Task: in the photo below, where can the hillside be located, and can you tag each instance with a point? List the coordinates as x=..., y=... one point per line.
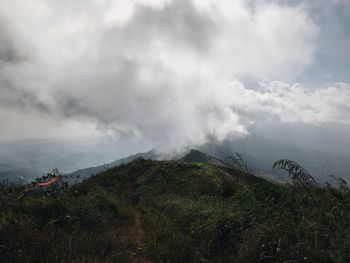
x=175, y=211
x=88, y=172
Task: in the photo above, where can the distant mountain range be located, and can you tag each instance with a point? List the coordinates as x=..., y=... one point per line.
x=322, y=151
x=82, y=174
x=28, y=159
x=321, y=165
x=260, y=153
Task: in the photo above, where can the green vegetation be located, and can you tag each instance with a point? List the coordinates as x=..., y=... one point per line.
x=190, y=212
x=53, y=226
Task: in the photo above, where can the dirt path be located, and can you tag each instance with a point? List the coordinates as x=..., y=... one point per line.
x=137, y=238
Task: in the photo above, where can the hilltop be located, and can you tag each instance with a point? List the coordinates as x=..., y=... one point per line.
x=195, y=156
x=192, y=156
x=176, y=211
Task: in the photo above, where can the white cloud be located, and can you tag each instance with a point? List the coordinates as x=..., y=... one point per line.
x=295, y=103
x=165, y=71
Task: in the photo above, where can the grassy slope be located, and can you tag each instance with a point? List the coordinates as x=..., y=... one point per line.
x=190, y=212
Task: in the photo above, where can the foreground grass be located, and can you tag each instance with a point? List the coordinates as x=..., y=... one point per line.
x=190, y=212
x=72, y=227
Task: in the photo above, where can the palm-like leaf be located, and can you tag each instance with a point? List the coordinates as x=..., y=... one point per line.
x=296, y=172
x=239, y=163
x=343, y=185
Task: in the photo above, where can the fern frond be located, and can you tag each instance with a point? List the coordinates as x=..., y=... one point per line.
x=239, y=163
x=299, y=175
x=342, y=183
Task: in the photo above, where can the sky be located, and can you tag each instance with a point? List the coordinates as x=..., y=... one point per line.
x=171, y=74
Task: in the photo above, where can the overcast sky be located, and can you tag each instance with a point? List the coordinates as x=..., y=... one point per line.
x=170, y=74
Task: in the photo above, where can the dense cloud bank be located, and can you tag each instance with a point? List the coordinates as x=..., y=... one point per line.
x=170, y=73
